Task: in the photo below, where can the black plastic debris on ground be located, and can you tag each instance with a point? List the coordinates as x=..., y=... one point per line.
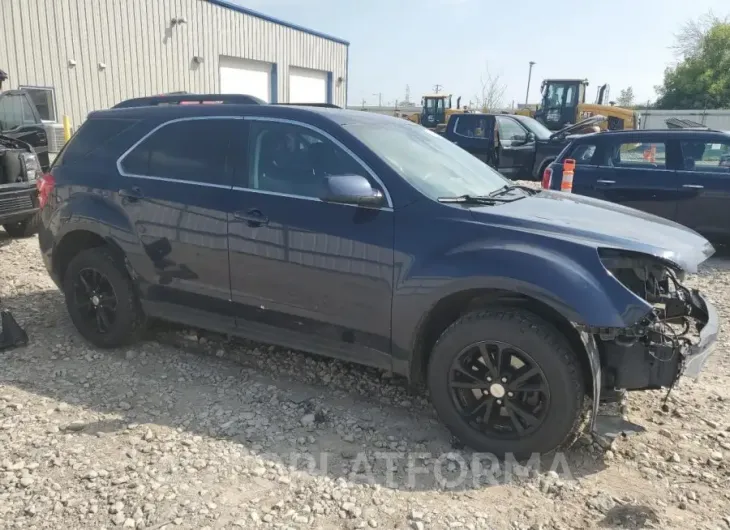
x=11, y=334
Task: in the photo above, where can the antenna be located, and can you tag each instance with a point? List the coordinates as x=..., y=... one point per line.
x=437, y=88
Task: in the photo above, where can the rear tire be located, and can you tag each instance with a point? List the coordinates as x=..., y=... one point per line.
x=101, y=299
x=25, y=228
x=548, y=405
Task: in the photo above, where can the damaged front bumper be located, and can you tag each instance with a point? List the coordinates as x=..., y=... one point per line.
x=697, y=355
x=655, y=354
x=675, y=337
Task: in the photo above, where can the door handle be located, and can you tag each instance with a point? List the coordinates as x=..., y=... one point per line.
x=693, y=186
x=132, y=194
x=605, y=182
x=252, y=217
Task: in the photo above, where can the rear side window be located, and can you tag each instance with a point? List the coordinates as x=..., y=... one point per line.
x=707, y=157
x=93, y=135
x=190, y=151
x=471, y=126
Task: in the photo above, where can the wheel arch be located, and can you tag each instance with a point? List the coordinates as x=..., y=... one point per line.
x=449, y=308
x=78, y=240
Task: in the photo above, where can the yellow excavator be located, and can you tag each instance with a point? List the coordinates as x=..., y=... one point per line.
x=435, y=111
x=563, y=102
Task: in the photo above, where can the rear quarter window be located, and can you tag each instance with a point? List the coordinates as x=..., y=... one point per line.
x=91, y=138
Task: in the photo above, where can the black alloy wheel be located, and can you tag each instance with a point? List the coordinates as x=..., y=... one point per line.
x=95, y=299
x=499, y=389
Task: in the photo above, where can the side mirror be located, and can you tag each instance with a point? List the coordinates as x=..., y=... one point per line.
x=530, y=137
x=520, y=139
x=351, y=189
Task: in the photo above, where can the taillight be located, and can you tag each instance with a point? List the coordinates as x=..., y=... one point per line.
x=547, y=178
x=45, y=186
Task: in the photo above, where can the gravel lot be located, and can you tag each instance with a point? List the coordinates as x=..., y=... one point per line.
x=195, y=431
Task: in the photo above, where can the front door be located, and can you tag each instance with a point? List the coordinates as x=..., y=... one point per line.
x=516, y=148
x=307, y=274
x=639, y=174
x=705, y=187
x=175, y=190
x=475, y=133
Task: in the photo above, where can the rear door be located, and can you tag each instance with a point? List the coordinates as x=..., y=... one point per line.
x=474, y=133
x=639, y=172
x=175, y=188
x=705, y=187
x=516, y=148
x=20, y=119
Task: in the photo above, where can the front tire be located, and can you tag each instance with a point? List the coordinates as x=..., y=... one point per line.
x=25, y=228
x=504, y=381
x=101, y=299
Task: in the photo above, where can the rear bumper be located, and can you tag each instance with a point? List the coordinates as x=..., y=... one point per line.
x=697, y=355
x=17, y=202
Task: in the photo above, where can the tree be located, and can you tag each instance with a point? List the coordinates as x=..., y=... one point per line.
x=491, y=94
x=626, y=98
x=702, y=79
x=688, y=41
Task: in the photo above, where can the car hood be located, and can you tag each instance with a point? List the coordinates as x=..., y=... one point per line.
x=600, y=224
x=565, y=131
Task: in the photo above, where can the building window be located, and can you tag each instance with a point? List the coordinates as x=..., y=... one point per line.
x=44, y=99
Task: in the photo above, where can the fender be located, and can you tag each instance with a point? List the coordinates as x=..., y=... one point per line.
x=578, y=288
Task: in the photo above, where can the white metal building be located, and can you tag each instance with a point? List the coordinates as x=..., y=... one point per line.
x=76, y=56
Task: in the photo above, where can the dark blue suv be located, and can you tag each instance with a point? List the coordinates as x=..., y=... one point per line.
x=373, y=240
x=678, y=174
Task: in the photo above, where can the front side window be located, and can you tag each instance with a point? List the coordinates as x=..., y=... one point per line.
x=706, y=157
x=15, y=111
x=427, y=161
x=583, y=154
x=295, y=160
x=189, y=150
x=510, y=130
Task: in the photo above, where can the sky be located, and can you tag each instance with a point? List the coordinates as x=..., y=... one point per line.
x=455, y=43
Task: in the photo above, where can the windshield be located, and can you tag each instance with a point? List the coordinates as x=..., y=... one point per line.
x=540, y=131
x=430, y=163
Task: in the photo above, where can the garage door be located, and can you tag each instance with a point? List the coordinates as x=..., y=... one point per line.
x=242, y=76
x=307, y=86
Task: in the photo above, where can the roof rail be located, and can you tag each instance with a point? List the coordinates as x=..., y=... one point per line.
x=187, y=99
x=327, y=105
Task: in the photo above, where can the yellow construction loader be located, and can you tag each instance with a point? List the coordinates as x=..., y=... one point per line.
x=436, y=110
x=564, y=102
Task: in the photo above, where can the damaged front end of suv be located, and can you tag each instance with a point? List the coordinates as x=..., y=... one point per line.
x=674, y=338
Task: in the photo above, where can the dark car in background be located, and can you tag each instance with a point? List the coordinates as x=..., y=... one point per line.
x=19, y=119
x=522, y=147
x=374, y=240
x=679, y=174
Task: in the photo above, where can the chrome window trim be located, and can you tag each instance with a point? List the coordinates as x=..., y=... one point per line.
x=120, y=160
x=333, y=140
x=370, y=172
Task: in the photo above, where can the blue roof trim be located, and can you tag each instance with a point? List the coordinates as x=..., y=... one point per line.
x=251, y=12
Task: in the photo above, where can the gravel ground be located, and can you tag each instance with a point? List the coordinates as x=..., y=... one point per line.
x=187, y=430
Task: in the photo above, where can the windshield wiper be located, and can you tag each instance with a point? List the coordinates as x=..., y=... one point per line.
x=511, y=187
x=473, y=199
